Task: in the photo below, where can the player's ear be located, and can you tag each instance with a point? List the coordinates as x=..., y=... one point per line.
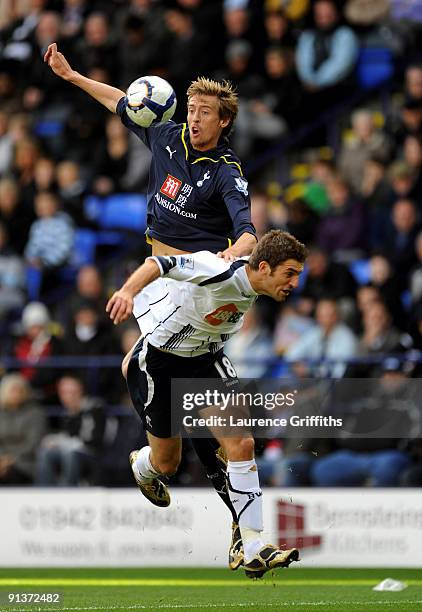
x=224, y=122
x=264, y=267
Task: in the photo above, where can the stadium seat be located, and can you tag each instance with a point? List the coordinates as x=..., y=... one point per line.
x=375, y=65
x=83, y=248
x=33, y=283
x=360, y=270
x=118, y=211
x=48, y=128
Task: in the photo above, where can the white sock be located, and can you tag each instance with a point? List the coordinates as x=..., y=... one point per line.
x=246, y=497
x=143, y=464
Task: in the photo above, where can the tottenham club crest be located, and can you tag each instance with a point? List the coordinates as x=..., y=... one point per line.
x=242, y=185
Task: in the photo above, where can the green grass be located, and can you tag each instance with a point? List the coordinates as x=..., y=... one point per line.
x=122, y=590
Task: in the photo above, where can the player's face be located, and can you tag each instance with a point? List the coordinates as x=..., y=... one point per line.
x=280, y=282
x=204, y=121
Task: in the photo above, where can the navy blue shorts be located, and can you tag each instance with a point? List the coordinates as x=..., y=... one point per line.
x=149, y=376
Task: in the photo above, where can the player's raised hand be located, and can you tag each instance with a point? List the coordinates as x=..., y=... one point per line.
x=227, y=255
x=119, y=306
x=58, y=63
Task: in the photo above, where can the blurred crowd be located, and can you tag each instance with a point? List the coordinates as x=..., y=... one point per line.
x=356, y=203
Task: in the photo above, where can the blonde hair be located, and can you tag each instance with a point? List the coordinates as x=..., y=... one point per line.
x=224, y=91
x=8, y=382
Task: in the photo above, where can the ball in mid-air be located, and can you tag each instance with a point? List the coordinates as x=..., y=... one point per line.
x=150, y=100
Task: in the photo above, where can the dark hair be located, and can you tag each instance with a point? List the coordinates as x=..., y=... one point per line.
x=275, y=247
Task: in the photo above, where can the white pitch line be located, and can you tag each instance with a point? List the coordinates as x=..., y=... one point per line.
x=198, y=606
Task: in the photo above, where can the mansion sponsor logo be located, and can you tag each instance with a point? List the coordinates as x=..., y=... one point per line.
x=171, y=186
x=172, y=207
x=292, y=527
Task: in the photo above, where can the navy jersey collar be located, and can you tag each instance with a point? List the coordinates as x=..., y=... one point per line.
x=221, y=149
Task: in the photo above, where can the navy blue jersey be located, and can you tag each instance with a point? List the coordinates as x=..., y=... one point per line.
x=196, y=200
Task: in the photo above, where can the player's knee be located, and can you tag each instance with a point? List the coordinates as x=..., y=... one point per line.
x=242, y=450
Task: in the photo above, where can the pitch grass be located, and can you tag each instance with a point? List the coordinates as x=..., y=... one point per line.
x=187, y=590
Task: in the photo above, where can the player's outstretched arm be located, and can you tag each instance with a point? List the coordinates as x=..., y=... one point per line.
x=120, y=305
x=107, y=95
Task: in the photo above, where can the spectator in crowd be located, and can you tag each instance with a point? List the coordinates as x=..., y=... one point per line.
x=407, y=121
x=259, y=213
x=71, y=190
x=365, y=142
x=382, y=276
x=41, y=95
x=51, y=237
x=360, y=461
x=290, y=326
x=70, y=455
x=17, y=35
x=73, y=15
x=375, y=187
x=237, y=22
x=251, y=349
x=400, y=237
x=322, y=172
x=379, y=335
x=36, y=344
x=112, y=159
x=258, y=120
x=363, y=13
x=283, y=93
x=90, y=335
x=22, y=426
x=326, y=279
x=137, y=53
x=366, y=295
x=84, y=128
x=342, y=230
x=90, y=288
x=412, y=151
x=331, y=339
x=44, y=175
x=190, y=35
x=277, y=29
x=96, y=49
x=10, y=98
x=301, y=221
x=326, y=56
x=12, y=276
x=27, y=153
x=413, y=82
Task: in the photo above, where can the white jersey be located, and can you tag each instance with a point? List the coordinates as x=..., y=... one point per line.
x=199, y=315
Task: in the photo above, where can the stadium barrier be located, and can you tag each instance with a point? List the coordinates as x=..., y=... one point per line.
x=110, y=527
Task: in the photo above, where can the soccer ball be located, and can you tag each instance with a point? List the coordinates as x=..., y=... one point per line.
x=150, y=100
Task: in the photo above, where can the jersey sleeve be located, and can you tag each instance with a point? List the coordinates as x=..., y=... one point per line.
x=194, y=268
x=233, y=188
x=147, y=135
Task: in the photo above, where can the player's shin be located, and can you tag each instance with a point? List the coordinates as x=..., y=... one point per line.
x=206, y=449
x=246, y=497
